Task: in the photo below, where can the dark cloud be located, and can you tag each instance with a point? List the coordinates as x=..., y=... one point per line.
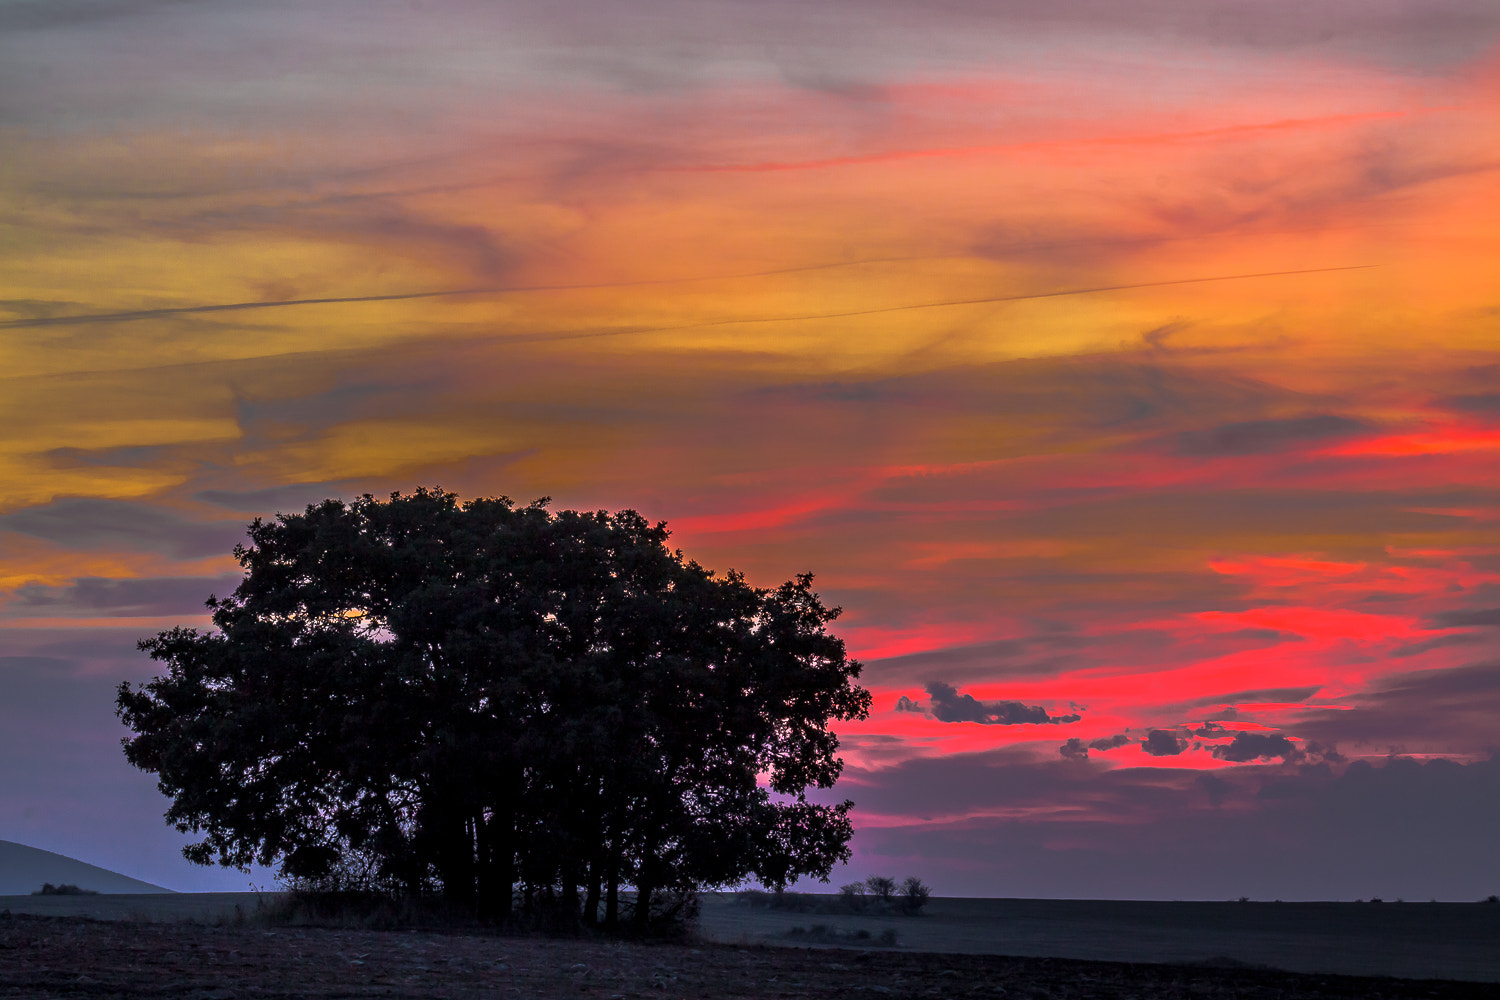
x=1254, y=437
x=1418, y=648
x=1188, y=517
x=1028, y=656
x=1261, y=635
x=1257, y=746
x=1452, y=710
x=130, y=597
x=1483, y=403
x=83, y=523
x=1162, y=743
x=291, y=497
x=134, y=456
x=1186, y=834
x=1253, y=696
x=950, y=706
x=1074, y=749
x=1215, y=787
x=147, y=314
x=1077, y=749
x=905, y=704
x=1465, y=618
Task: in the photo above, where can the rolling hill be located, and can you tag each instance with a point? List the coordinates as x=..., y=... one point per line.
x=23, y=870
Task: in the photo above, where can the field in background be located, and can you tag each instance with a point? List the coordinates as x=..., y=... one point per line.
x=1410, y=940
x=1414, y=940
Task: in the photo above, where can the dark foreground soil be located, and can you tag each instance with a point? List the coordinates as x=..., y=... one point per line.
x=78, y=957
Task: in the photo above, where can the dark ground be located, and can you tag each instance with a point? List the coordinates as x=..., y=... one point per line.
x=44, y=957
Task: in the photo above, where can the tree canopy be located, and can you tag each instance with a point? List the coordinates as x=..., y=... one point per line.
x=478, y=699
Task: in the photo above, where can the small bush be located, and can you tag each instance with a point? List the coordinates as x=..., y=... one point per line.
x=914, y=895
x=882, y=888
x=823, y=934
x=875, y=895
x=67, y=889
x=852, y=897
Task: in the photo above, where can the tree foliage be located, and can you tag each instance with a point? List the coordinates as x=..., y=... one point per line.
x=485, y=699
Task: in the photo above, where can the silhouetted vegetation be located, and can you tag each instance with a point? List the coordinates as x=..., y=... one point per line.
x=875, y=895
x=66, y=889
x=823, y=934
x=518, y=713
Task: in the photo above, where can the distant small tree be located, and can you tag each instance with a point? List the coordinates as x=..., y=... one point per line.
x=914, y=895
x=882, y=888
x=852, y=897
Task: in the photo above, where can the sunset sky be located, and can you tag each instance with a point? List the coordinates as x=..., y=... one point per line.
x=1129, y=372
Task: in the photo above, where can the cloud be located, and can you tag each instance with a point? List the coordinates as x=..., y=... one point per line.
x=84, y=523
x=1008, y=825
x=1254, y=437
x=950, y=706
x=1162, y=743
x=1257, y=746
x=1449, y=710
x=290, y=497
x=1261, y=635
x=1027, y=656
x=1074, y=749
x=1482, y=403
x=1465, y=618
x=95, y=596
x=1077, y=749
x=1441, y=642
x=1215, y=787
x=1280, y=695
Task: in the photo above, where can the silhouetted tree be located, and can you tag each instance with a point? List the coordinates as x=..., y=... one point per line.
x=914, y=894
x=882, y=887
x=476, y=698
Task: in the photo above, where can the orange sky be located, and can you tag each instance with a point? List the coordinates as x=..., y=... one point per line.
x=1138, y=367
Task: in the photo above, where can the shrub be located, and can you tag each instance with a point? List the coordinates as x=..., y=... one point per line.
x=67, y=889
x=884, y=889
x=823, y=934
x=852, y=897
x=914, y=895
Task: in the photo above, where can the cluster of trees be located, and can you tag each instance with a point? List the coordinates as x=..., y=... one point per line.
x=876, y=894
x=497, y=703
x=879, y=892
x=66, y=889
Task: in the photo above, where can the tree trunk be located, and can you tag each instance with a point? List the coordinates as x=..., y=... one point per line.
x=642, y=916
x=569, y=894
x=591, y=903
x=612, y=898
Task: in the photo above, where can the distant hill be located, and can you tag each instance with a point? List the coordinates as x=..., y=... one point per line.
x=23, y=870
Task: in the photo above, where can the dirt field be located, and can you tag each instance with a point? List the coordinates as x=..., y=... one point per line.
x=43, y=957
x=1458, y=941
x=1410, y=940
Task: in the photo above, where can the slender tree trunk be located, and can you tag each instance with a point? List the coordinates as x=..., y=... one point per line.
x=488, y=898
x=591, y=903
x=503, y=851
x=642, y=916
x=612, y=893
x=570, y=893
